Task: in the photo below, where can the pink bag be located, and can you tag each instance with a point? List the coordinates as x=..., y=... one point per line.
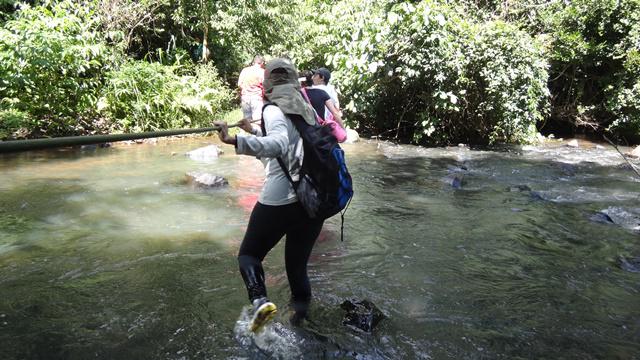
x=338, y=131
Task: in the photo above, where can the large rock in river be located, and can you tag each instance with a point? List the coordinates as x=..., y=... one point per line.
x=206, y=180
x=352, y=136
x=206, y=153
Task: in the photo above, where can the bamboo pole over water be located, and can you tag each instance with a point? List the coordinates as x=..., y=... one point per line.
x=37, y=144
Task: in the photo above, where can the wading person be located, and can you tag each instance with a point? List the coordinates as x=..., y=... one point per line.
x=251, y=88
x=320, y=80
x=277, y=212
x=323, y=104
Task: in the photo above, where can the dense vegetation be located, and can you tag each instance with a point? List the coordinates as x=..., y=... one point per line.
x=428, y=72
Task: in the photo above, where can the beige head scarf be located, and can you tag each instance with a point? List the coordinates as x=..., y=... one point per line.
x=283, y=88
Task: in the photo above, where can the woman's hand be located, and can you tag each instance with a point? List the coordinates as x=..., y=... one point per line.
x=223, y=133
x=245, y=124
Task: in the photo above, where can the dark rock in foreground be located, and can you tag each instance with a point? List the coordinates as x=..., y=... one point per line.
x=363, y=315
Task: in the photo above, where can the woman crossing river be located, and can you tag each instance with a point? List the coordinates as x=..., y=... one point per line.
x=277, y=212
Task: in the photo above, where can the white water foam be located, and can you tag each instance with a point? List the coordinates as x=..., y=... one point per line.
x=276, y=341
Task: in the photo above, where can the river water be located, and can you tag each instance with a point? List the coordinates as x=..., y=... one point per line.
x=524, y=252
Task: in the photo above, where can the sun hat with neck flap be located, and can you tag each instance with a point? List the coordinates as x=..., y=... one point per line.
x=281, y=86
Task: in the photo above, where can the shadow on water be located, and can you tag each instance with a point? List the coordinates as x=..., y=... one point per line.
x=505, y=262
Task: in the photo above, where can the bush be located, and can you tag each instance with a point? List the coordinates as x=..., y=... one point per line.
x=11, y=121
x=51, y=62
x=429, y=74
x=593, y=46
x=142, y=96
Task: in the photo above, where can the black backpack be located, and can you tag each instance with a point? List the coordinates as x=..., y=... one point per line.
x=325, y=187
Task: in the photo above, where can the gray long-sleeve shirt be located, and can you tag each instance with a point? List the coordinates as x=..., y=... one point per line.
x=282, y=140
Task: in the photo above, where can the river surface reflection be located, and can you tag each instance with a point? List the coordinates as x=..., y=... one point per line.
x=523, y=252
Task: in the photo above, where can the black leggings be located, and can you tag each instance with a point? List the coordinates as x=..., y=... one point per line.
x=267, y=225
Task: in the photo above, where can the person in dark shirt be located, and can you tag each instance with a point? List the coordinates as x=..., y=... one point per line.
x=320, y=99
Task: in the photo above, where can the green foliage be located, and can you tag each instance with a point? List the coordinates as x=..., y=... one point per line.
x=51, y=61
x=591, y=46
x=430, y=72
x=237, y=30
x=142, y=96
x=11, y=120
x=426, y=73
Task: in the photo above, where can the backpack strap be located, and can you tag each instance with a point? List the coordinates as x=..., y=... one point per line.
x=306, y=97
x=280, y=161
x=262, y=126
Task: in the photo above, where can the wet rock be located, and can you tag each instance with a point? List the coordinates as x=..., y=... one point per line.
x=630, y=264
x=206, y=153
x=519, y=188
x=567, y=169
x=206, y=180
x=95, y=146
x=363, y=315
x=635, y=152
x=456, y=175
x=601, y=217
x=628, y=218
x=535, y=195
x=456, y=182
x=352, y=136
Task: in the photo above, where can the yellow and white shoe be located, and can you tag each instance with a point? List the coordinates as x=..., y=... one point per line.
x=265, y=310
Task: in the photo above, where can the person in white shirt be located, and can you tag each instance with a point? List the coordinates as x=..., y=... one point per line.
x=251, y=89
x=320, y=78
x=278, y=211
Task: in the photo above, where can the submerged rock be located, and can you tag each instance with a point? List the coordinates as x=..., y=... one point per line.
x=601, y=217
x=206, y=153
x=206, y=180
x=627, y=218
x=363, y=315
x=456, y=182
x=535, y=195
x=456, y=175
x=629, y=264
x=95, y=146
x=518, y=188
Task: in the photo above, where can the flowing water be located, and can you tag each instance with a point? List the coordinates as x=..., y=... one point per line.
x=513, y=253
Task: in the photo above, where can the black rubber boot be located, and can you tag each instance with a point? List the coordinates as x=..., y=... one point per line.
x=300, y=311
x=253, y=276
